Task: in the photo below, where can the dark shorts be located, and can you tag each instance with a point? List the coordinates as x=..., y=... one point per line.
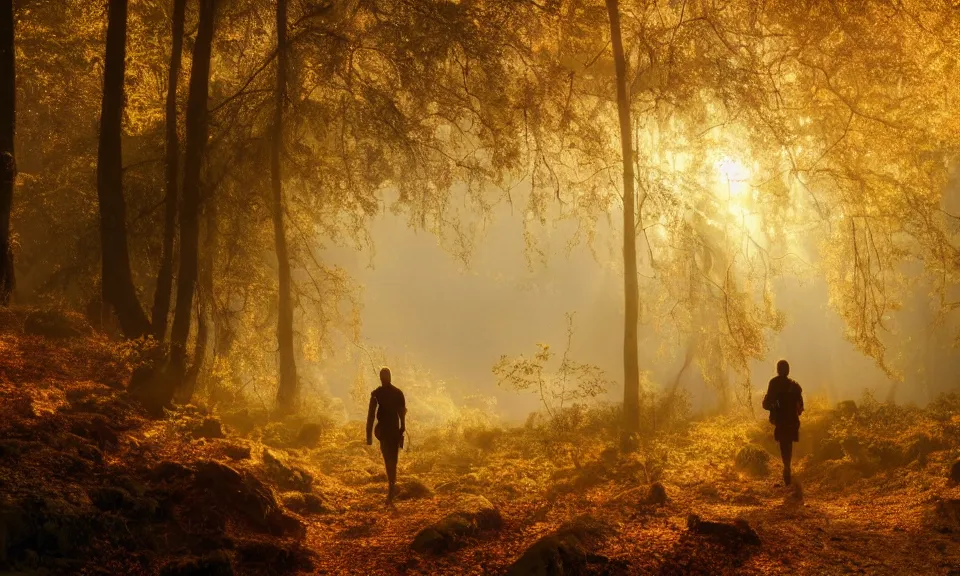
x=787, y=433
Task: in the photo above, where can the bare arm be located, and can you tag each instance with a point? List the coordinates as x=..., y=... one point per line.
x=371, y=412
x=403, y=414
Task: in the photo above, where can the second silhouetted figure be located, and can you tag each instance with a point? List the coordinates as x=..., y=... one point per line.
x=390, y=408
x=784, y=400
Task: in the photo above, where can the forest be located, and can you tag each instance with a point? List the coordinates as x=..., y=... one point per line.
x=584, y=238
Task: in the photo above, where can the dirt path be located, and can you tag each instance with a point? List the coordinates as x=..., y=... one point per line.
x=825, y=534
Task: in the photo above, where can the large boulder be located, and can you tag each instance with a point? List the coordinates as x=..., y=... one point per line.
x=218, y=487
x=569, y=550
x=286, y=476
x=475, y=514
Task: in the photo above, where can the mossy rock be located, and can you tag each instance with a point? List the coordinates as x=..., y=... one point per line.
x=475, y=514
x=55, y=324
x=413, y=489
x=305, y=503
x=286, y=476
x=210, y=428
x=569, y=550
x=753, y=460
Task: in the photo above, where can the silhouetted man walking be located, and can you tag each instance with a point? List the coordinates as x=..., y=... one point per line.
x=390, y=408
x=784, y=400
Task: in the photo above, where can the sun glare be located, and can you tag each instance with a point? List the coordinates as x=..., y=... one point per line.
x=733, y=170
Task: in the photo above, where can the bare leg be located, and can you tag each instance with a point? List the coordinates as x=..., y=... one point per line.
x=390, y=449
x=786, y=452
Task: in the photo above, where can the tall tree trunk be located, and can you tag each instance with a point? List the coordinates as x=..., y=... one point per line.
x=8, y=166
x=197, y=118
x=118, y=288
x=288, y=390
x=161, y=298
x=192, y=382
x=631, y=362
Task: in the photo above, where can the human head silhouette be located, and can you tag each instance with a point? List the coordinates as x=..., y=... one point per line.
x=783, y=368
x=384, y=376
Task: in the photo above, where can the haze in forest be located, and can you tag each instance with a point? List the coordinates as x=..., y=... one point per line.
x=272, y=199
x=423, y=306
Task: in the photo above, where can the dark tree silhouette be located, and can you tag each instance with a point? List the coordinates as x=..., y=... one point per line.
x=8, y=166
x=161, y=299
x=197, y=125
x=631, y=361
x=288, y=389
x=118, y=289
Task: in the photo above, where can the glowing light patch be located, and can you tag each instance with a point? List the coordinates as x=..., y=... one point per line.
x=733, y=170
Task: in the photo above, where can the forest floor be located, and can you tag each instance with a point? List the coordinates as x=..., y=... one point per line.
x=90, y=485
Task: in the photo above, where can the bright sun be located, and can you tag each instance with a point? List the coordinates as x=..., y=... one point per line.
x=733, y=170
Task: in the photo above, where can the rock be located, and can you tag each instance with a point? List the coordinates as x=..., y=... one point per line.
x=309, y=435
x=413, y=489
x=847, y=408
x=474, y=515
x=11, y=449
x=210, y=428
x=110, y=498
x=949, y=510
x=305, y=503
x=753, y=460
x=235, y=451
x=91, y=453
x=853, y=448
x=241, y=421
x=167, y=471
x=244, y=494
x=732, y=536
x=215, y=564
x=275, y=559
x=828, y=450
x=922, y=447
x=47, y=524
x=955, y=472
x=55, y=324
x=656, y=495
x=886, y=454
x=287, y=477
x=569, y=550
x=98, y=430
